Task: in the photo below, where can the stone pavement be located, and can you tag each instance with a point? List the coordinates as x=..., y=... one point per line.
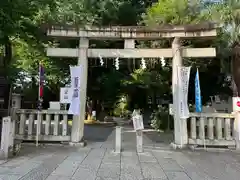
x=97, y=161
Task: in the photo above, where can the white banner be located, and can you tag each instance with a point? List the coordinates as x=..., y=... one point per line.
x=183, y=75
x=75, y=72
x=65, y=95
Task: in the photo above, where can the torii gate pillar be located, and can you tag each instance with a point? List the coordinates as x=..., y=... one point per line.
x=78, y=121
x=180, y=125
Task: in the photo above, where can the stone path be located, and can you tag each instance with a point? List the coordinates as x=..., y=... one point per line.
x=97, y=161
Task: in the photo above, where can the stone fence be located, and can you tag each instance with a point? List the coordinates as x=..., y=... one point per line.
x=208, y=129
x=213, y=129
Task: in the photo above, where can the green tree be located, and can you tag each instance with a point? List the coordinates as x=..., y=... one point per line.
x=175, y=12
x=227, y=14
x=17, y=21
x=181, y=12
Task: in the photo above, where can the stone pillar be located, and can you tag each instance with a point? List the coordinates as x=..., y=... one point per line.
x=180, y=125
x=78, y=121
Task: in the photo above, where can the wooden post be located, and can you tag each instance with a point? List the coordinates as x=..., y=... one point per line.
x=78, y=121
x=180, y=125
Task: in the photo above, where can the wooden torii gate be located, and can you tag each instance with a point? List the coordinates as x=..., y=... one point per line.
x=129, y=35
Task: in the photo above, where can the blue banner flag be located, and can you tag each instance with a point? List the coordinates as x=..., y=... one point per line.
x=198, y=99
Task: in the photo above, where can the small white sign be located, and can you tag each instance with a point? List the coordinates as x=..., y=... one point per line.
x=171, y=109
x=65, y=95
x=138, y=122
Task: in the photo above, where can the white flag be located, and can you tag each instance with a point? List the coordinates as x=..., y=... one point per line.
x=183, y=74
x=75, y=89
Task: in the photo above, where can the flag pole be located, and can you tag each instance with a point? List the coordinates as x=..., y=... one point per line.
x=198, y=102
x=40, y=94
x=38, y=112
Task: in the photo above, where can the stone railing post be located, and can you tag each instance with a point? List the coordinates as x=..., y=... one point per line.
x=237, y=129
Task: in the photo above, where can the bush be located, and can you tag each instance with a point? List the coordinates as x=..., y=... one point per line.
x=120, y=109
x=160, y=119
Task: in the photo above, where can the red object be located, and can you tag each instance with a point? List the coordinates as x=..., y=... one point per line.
x=41, y=91
x=238, y=103
x=41, y=81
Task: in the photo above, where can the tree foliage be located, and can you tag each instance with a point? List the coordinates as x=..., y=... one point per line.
x=175, y=12
x=23, y=43
x=227, y=13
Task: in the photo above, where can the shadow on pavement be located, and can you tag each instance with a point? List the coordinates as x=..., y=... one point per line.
x=151, y=139
x=159, y=137
x=97, y=133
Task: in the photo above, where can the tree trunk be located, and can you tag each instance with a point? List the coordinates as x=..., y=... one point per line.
x=6, y=61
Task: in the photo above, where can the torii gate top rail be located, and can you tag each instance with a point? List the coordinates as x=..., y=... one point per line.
x=134, y=32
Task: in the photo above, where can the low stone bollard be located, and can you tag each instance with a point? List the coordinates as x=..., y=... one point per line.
x=6, y=137
x=138, y=127
x=118, y=139
x=139, y=139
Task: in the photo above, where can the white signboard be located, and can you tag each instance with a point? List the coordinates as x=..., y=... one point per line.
x=75, y=72
x=236, y=104
x=183, y=75
x=65, y=95
x=138, y=122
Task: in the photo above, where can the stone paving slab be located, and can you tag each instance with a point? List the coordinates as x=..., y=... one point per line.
x=152, y=171
x=10, y=177
x=151, y=165
x=98, y=161
x=55, y=177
